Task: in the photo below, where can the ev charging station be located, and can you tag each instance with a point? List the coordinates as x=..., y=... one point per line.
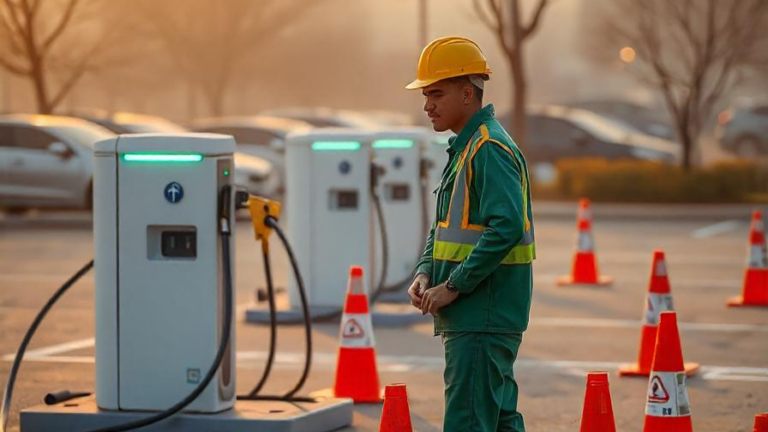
x=404, y=200
x=164, y=266
x=435, y=151
x=328, y=210
x=159, y=296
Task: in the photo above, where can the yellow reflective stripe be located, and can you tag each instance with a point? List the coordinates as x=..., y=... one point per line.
x=447, y=251
x=523, y=254
x=457, y=252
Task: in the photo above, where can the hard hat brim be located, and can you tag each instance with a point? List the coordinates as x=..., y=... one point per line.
x=418, y=84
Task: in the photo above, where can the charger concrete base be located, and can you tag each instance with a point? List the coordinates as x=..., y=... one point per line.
x=264, y=416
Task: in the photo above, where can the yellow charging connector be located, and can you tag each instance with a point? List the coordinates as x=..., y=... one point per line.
x=260, y=209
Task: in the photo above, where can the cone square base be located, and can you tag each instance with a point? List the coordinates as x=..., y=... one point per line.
x=634, y=370
x=602, y=281
x=328, y=393
x=739, y=302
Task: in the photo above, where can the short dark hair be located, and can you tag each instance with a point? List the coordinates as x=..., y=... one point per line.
x=463, y=80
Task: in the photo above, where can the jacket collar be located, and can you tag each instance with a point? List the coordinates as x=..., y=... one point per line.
x=457, y=143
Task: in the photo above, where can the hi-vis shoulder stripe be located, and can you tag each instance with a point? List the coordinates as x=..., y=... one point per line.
x=356, y=331
x=667, y=395
x=657, y=303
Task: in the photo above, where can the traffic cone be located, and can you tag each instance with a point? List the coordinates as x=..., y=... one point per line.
x=584, y=270
x=761, y=423
x=396, y=416
x=659, y=300
x=356, y=374
x=667, y=408
x=755, y=290
x=597, y=415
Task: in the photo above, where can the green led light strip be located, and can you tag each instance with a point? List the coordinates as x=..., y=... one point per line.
x=162, y=157
x=336, y=146
x=392, y=144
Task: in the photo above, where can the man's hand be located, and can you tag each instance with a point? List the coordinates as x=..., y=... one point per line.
x=436, y=298
x=419, y=285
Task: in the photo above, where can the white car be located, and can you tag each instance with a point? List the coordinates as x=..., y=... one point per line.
x=255, y=172
x=260, y=136
x=46, y=161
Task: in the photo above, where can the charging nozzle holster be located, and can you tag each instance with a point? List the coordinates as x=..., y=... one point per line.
x=262, y=209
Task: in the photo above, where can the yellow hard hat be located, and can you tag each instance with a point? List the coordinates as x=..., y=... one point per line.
x=449, y=57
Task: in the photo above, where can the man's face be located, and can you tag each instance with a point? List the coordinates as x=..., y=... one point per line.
x=444, y=104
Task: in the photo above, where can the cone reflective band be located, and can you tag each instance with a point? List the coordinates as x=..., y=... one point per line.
x=667, y=407
x=659, y=300
x=395, y=416
x=357, y=376
x=755, y=289
x=597, y=414
x=584, y=269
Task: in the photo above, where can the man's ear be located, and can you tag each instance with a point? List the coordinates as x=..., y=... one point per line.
x=468, y=92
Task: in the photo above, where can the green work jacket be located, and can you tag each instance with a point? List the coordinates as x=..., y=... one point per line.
x=495, y=294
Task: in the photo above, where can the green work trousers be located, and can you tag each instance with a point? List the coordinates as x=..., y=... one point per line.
x=480, y=387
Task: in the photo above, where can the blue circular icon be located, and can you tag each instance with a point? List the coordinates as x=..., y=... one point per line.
x=398, y=162
x=345, y=167
x=174, y=192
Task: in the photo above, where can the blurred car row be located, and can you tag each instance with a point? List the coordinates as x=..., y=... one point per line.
x=45, y=161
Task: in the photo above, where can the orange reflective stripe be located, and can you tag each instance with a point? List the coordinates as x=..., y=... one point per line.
x=478, y=143
x=460, y=162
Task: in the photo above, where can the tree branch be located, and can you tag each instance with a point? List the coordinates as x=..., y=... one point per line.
x=531, y=27
x=483, y=16
x=56, y=33
x=12, y=68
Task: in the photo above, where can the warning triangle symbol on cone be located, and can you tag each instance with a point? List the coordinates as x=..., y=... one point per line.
x=353, y=330
x=657, y=393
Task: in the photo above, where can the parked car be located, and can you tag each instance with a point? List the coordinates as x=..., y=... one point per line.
x=743, y=129
x=641, y=118
x=254, y=173
x=261, y=136
x=556, y=132
x=46, y=161
x=126, y=122
x=326, y=117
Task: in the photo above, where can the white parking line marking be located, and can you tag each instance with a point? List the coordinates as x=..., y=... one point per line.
x=616, y=323
x=54, y=349
x=556, y=322
x=35, y=278
x=412, y=364
x=718, y=228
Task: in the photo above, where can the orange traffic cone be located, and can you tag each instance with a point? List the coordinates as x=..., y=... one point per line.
x=659, y=300
x=396, y=416
x=597, y=415
x=755, y=291
x=584, y=270
x=667, y=408
x=356, y=374
x=761, y=423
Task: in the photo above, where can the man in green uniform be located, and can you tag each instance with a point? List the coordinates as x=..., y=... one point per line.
x=475, y=275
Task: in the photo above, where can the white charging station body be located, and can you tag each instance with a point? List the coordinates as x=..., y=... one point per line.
x=158, y=271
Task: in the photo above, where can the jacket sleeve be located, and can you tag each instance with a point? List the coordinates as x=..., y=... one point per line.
x=496, y=188
x=424, y=265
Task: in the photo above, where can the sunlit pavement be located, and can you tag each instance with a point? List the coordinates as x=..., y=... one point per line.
x=573, y=330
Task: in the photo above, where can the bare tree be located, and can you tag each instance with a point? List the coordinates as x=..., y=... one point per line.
x=31, y=34
x=504, y=18
x=692, y=51
x=209, y=40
